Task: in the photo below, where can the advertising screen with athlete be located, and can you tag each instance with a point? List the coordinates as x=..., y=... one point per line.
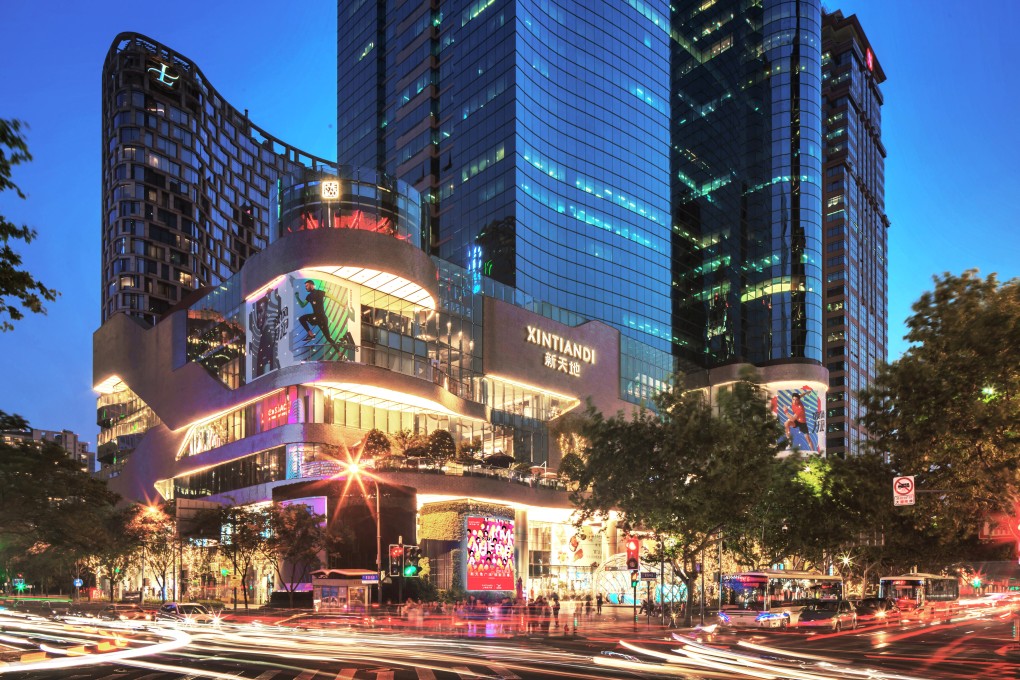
x=302, y=317
x=326, y=323
x=802, y=414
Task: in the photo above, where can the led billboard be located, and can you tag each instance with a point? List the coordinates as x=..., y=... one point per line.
x=302, y=317
x=490, y=553
x=802, y=414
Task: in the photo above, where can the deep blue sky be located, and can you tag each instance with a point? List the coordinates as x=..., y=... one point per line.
x=949, y=124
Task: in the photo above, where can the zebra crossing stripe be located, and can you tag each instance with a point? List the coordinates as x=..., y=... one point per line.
x=267, y=675
x=503, y=672
x=424, y=673
x=346, y=674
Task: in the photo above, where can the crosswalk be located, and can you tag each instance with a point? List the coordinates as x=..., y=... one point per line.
x=462, y=672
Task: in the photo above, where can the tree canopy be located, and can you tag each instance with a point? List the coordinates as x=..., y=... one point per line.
x=19, y=290
x=682, y=471
x=948, y=410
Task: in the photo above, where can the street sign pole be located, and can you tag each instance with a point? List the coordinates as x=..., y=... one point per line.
x=634, y=604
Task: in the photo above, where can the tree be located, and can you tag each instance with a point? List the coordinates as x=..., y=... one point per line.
x=297, y=539
x=156, y=528
x=441, y=446
x=18, y=288
x=244, y=533
x=115, y=542
x=48, y=504
x=377, y=444
x=947, y=411
x=682, y=472
x=405, y=439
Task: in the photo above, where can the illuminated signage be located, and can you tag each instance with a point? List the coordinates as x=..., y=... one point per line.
x=330, y=190
x=869, y=59
x=164, y=75
x=490, y=553
x=565, y=355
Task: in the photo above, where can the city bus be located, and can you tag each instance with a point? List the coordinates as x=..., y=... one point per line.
x=773, y=598
x=924, y=597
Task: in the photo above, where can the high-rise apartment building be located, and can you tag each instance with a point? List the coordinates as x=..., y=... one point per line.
x=855, y=225
x=186, y=180
x=67, y=440
x=538, y=134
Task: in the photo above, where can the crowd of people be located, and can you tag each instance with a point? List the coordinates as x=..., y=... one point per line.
x=535, y=615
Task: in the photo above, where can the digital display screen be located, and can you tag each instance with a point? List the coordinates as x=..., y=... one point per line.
x=802, y=414
x=490, y=553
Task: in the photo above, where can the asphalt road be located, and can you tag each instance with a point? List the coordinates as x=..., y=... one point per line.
x=978, y=646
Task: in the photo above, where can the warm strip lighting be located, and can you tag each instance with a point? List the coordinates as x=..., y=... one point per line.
x=390, y=400
x=258, y=293
x=533, y=388
x=214, y=416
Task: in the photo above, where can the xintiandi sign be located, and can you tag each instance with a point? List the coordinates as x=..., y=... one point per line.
x=562, y=354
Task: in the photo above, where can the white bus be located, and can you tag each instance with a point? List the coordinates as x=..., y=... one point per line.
x=773, y=598
x=924, y=597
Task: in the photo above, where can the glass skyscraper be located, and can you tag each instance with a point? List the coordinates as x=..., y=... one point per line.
x=540, y=140
x=747, y=181
x=653, y=165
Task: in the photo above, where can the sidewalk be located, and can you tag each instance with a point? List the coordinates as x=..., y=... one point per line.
x=614, y=622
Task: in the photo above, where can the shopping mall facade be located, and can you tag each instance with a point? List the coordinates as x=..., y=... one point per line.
x=265, y=310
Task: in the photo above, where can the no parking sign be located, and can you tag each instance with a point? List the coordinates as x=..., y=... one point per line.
x=903, y=490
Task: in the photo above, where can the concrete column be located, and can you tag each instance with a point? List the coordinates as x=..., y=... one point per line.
x=522, y=551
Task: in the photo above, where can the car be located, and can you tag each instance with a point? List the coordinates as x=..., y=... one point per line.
x=186, y=612
x=878, y=610
x=833, y=614
x=124, y=612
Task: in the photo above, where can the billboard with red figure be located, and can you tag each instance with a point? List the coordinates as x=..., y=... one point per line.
x=490, y=553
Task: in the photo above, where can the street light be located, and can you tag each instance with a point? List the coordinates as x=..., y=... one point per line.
x=354, y=470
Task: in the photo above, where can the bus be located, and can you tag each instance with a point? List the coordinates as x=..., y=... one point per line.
x=773, y=598
x=924, y=597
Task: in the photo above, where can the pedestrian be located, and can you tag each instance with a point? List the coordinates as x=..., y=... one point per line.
x=587, y=607
x=556, y=611
x=598, y=604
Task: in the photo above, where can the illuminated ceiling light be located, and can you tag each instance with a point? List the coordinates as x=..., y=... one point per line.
x=110, y=385
x=384, y=282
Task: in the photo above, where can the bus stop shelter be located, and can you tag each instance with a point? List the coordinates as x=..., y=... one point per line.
x=343, y=590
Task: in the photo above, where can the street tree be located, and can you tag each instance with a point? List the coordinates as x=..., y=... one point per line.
x=244, y=533
x=19, y=290
x=947, y=411
x=48, y=504
x=296, y=543
x=115, y=543
x=682, y=472
x=156, y=528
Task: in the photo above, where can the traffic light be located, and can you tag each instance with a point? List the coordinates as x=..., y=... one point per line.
x=412, y=560
x=633, y=553
x=635, y=578
x=396, y=560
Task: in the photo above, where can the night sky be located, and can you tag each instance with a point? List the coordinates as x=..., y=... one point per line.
x=950, y=125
